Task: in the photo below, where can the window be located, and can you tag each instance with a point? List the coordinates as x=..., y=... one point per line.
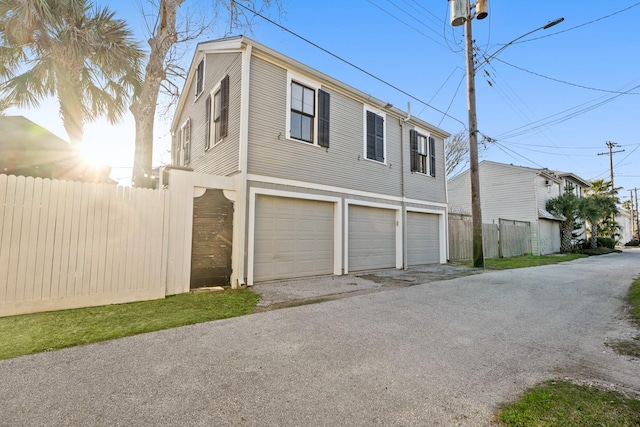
x=200, y=78
x=375, y=137
x=308, y=111
x=217, y=113
x=423, y=153
x=303, y=109
x=184, y=147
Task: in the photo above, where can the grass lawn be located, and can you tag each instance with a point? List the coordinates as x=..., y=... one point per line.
x=35, y=333
x=631, y=347
x=559, y=403
x=528, y=261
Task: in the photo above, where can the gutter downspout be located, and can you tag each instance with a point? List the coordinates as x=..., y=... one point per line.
x=240, y=214
x=405, y=232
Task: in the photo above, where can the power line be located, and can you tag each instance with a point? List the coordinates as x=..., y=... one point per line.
x=563, y=81
x=405, y=23
x=550, y=120
x=578, y=26
x=350, y=64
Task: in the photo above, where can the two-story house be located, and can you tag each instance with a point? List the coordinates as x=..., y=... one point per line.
x=517, y=193
x=328, y=179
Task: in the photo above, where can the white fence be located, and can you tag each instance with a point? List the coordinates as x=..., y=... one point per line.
x=71, y=244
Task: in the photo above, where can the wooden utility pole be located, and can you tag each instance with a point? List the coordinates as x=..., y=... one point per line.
x=633, y=213
x=474, y=173
x=610, y=145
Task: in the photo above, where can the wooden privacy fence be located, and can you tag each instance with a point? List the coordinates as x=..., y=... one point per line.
x=71, y=244
x=506, y=239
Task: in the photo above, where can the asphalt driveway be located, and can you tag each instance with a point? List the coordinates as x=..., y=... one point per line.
x=444, y=353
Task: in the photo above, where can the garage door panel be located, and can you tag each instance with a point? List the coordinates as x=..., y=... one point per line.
x=372, y=238
x=293, y=238
x=423, y=238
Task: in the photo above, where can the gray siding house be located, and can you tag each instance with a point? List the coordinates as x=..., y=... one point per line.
x=517, y=193
x=328, y=180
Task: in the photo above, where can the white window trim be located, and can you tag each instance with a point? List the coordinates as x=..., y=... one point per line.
x=182, y=142
x=213, y=142
x=204, y=66
x=384, y=137
x=291, y=77
x=428, y=135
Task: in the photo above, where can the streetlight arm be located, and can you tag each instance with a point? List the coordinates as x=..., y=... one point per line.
x=544, y=27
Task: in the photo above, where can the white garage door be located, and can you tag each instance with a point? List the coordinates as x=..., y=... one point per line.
x=372, y=238
x=293, y=238
x=423, y=238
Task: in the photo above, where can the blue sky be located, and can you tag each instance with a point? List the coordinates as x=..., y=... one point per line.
x=553, y=102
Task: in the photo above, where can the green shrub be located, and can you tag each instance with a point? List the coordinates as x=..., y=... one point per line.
x=633, y=242
x=606, y=242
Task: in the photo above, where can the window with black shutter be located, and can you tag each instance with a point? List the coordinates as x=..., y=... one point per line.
x=303, y=108
x=419, y=152
x=375, y=137
x=432, y=156
x=323, y=118
x=224, y=106
x=200, y=78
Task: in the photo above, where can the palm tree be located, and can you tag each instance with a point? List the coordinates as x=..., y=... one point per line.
x=80, y=54
x=566, y=205
x=596, y=208
x=607, y=200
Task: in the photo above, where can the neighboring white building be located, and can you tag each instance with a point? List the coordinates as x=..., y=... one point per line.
x=328, y=180
x=624, y=220
x=517, y=193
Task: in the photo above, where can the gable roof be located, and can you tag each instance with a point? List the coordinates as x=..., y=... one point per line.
x=574, y=177
x=238, y=44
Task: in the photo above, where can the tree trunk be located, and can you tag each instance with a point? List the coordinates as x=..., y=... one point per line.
x=594, y=234
x=567, y=230
x=144, y=109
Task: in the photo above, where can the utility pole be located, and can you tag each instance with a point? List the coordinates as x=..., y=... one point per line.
x=633, y=213
x=637, y=213
x=462, y=12
x=611, y=145
x=474, y=172
x=635, y=190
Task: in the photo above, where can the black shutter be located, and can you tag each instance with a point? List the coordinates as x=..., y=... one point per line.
x=371, y=135
x=207, y=119
x=224, y=106
x=413, y=141
x=379, y=138
x=432, y=156
x=323, y=118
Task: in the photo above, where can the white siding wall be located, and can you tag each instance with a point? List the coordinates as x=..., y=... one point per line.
x=505, y=192
x=343, y=164
x=221, y=159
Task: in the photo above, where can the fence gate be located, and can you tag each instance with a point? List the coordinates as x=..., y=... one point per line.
x=212, y=237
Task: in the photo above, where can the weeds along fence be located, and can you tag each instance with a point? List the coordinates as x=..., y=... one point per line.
x=506, y=239
x=71, y=244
